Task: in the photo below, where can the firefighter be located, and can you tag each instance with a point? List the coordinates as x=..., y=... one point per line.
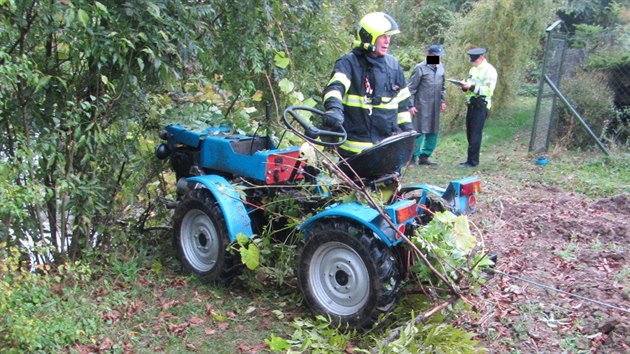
x=367, y=94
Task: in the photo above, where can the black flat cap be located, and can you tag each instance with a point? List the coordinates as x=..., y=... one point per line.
x=477, y=51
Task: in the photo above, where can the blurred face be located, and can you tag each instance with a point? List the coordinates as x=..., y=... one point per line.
x=382, y=45
x=477, y=61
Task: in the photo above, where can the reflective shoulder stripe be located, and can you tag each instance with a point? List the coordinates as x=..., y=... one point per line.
x=404, y=117
x=342, y=79
x=333, y=93
x=356, y=146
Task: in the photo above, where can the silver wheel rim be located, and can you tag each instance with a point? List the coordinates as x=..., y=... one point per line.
x=340, y=279
x=199, y=240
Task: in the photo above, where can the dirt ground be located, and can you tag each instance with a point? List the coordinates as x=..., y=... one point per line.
x=563, y=241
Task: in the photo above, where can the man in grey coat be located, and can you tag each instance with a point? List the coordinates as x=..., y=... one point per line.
x=428, y=99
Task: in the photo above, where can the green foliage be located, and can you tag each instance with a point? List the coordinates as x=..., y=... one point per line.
x=34, y=316
x=316, y=335
x=250, y=254
x=436, y=336
x=593, y=99
x=511, y=31
x=451, y=248
x=422, y=24
x=585, y=35
x=592, y=12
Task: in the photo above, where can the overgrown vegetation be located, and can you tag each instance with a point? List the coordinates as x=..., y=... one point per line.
x=85, y=87
x=591, y=97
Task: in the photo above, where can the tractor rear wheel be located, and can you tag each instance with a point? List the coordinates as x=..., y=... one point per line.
x=346, y=273
x=201, y=238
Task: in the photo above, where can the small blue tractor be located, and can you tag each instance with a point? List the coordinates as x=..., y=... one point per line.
x=353, y=254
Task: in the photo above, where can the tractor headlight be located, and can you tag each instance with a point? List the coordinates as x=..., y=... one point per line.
x=162, y=151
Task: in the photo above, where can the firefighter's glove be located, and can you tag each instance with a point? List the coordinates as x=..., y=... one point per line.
x=333, y=118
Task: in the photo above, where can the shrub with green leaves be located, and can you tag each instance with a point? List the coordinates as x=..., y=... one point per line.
x=593, y=99
x=34, y=314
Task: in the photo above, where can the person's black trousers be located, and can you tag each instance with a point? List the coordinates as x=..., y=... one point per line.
x=475, y=119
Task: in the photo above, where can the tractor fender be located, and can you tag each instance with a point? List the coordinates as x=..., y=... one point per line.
x=360, y=213
x=234, y=212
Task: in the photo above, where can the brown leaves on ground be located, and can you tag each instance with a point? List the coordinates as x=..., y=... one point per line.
x=566, y=242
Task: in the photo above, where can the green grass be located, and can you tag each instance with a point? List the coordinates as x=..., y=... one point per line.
x=506, y=163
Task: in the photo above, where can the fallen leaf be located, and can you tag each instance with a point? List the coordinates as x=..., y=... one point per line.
x=195, y=321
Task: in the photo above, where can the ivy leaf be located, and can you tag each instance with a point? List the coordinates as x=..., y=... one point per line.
x=241, y=239
x=277, y=344
x=281, y=60
x=257, y=97
x=83, y=17
x=42, y=82
x=286, y=85
x=445, y=217
x=482, y=261
x=154, y=10
x=310, y=102
x=101, y=7
x=69, y=16
x=464, y=240
x=250, y=256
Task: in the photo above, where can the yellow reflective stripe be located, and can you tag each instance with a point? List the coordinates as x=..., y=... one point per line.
x=390, y=105
x=353, y=101
x=404, y=117
x=359, y=101
x=342, y=79
x=356, y=146
x=333, y=93
x=403, y=94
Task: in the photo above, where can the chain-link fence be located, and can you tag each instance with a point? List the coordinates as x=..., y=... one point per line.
x=584, y=90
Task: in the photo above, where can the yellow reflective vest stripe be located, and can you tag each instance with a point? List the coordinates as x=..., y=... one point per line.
x=356, y=146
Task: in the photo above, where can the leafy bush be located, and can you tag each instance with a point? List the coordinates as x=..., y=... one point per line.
x=427, y=24
x=593, y=99
x=37, y=310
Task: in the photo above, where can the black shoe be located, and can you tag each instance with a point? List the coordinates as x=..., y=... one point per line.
x=424, y=160
x=466, y=165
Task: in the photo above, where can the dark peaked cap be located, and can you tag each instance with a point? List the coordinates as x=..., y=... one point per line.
x=475, y=53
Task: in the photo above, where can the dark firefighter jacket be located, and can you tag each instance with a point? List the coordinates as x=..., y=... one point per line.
x=373, y=96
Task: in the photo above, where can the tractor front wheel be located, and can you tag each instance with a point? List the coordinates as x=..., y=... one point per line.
x=346, y=273
x=201, y=238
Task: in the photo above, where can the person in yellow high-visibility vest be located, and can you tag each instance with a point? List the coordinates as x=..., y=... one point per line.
x=479, y=87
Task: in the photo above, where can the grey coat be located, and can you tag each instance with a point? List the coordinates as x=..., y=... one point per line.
x=426, y=86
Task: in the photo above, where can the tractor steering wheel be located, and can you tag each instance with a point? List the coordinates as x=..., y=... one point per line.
x=311, y=132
